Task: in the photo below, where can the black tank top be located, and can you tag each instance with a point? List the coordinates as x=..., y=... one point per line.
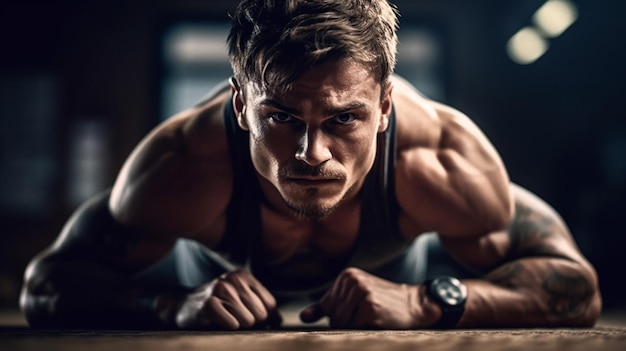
x=378, y=242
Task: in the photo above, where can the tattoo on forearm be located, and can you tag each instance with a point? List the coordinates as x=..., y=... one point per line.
x=569, y=296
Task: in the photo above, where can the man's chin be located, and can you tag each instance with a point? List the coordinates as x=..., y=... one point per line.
x=311, y=210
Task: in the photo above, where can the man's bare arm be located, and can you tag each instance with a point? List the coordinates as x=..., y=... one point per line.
x=178, y=179
x=536, y=274
x=85, y=280
x=450, y=178
x=82, y=280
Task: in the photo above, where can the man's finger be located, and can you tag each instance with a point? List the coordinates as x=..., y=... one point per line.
x=252, y=301
x=266, y=297
x=274, y=321
x=342, y=316
x=312, y=314
x=231, y=301
x=221, y=316
x=248, y=283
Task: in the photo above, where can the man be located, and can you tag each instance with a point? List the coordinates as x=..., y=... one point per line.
x=314, y=174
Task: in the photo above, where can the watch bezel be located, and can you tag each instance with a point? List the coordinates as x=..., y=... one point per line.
x=435, y=291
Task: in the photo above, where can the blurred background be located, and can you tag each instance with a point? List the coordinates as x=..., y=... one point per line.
x=81, y=82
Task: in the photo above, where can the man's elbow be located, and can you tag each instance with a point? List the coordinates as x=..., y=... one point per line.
x=594, y=301
x=593, y=313
x=36, y=302
x=581, y=304
x=34, y=311
x=588, y=317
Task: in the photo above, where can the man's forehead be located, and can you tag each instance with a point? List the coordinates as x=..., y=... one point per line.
x=326, y=80
x=354, y=95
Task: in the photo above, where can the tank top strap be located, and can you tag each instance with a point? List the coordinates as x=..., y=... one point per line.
x=379, y=239
x=243, y=218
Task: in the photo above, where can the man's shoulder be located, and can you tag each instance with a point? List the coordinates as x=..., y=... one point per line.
x=189, y=153
x=417, y=119
x=200, y=129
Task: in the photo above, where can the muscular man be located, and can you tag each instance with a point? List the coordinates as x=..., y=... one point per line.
x=316, y=173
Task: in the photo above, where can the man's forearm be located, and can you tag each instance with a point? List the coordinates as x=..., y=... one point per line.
x=81, y=294
x=534, y=292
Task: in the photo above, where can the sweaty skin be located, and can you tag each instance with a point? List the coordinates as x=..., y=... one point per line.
x=312, y=148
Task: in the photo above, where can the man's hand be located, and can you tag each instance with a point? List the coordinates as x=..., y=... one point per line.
x=236, y=300
x=358, y=299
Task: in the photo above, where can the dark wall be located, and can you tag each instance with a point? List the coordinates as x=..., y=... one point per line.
x=558, y=123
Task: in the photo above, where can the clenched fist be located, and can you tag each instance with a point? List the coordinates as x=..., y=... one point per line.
x=236, y=300
x=358, y=299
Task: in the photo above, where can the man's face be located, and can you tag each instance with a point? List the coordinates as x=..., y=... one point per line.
x=314, y=145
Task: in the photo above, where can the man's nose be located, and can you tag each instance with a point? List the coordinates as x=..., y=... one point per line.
x=313, y=148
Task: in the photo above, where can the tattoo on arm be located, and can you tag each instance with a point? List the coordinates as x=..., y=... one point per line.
x=569, y=296
x=540, y=260
x=530, y=234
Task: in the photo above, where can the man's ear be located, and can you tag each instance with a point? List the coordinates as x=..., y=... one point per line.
x=238, y=102
x=386, y=105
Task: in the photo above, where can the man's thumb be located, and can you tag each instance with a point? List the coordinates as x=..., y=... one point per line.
x=312, y=313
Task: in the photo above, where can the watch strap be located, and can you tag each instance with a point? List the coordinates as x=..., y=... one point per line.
x=450, y=314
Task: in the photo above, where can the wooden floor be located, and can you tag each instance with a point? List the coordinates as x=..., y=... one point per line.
x=608, y=335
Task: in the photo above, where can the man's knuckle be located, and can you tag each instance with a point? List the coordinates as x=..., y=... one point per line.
x=351, y=272
x=271, y=304
x=370, y=300
x=235, y=280
x=247, y=320
x=362, y=285
x=240, y=273
x=258, y=312
x=351, y=275
x=221, y=287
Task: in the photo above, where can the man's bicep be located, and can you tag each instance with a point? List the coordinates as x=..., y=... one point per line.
x=152, y=161
x=466, y=153
x=456, y=184
x=170, y=190
x=444, y=192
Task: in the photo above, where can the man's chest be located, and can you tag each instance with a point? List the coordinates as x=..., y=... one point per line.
x=295, y=252
x=285, y=237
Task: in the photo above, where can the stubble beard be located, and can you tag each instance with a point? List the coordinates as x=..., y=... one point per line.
x=310, y=209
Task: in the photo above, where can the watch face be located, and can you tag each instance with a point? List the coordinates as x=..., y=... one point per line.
x=450, y=290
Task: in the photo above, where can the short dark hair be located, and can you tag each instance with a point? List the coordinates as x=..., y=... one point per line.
x=273, y=42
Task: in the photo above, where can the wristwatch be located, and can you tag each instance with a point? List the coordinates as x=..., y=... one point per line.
x=450, y=294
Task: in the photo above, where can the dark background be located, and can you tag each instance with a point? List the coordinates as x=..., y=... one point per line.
x=559, y=123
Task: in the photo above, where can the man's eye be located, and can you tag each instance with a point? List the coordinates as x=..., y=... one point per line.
x=281, y=117
x=345, y=118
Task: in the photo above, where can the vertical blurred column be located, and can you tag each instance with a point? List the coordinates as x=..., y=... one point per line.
x=89, y=159
x=28, y=145
x=421, y=59
x=29, y=168
x=195, y=60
